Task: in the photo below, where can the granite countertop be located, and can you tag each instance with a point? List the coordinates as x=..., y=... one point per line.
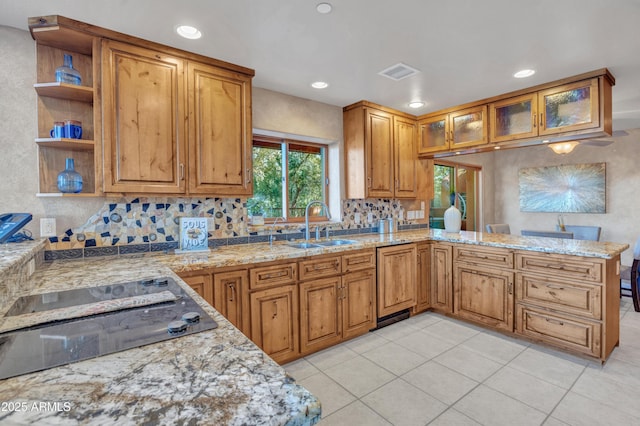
x=12, y=254
x=212, y=377
x=238, y=255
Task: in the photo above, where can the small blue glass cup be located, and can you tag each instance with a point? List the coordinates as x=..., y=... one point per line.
x=58, y=130
x=72, y=129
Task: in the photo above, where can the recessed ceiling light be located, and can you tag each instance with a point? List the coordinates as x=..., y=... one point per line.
x=416, y=104
x=324, y=8
x=524, y=73
x=187, y=31
x=319, y=85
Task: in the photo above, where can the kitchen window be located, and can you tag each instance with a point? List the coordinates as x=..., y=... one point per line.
x=461, y=180
x=287, y=175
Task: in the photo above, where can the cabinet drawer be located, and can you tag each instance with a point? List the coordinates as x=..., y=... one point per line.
x=569, y=333
x=268, y=276
x=574, y=298
x=358, y=261
x=319, y=267
x=483, y=256
x=572, y=267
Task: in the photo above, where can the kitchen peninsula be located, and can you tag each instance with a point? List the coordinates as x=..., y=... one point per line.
x=220, y=376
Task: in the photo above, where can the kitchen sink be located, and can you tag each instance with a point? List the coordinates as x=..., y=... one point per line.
x=335, y=242
x=319, y=244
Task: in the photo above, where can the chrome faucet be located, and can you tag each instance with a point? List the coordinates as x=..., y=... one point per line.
x=273, y=225
x=306, y=217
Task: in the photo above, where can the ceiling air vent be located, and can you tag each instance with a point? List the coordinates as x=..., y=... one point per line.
x=398, y=71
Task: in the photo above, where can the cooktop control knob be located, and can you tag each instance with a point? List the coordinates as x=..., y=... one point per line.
x=176, y=327
x=147, y=283
x=191, y=317
x=162, y=282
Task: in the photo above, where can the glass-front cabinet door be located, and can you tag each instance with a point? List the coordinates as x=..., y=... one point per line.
x=514, y=118
x=569, y=107
x=468, y=127
x=433, y=134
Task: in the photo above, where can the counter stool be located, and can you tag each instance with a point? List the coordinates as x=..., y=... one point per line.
x=631, y=275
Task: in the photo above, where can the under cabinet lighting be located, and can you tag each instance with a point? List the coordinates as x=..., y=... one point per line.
x=187, y=31
x=563, y=147
x=524, y=73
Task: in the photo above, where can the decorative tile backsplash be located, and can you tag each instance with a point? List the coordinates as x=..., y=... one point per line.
x=151, y=224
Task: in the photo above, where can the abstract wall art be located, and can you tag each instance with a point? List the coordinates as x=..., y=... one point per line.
x=573, y=188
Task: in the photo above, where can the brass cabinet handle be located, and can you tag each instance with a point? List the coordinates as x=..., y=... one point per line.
x=554, y=321
x=541, y=119
x=181, y=171
x=249, y=175
x=232, y=287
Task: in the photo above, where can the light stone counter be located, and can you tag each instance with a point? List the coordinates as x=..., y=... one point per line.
x=213, y=377
x=253, y=253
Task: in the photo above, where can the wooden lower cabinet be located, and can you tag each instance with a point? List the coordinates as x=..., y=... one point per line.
x=441, y=278
x=572, y=333
x=202, y=285
x=358, y=303
x=484, y=295
x=423, y=278
x=320, y=314
x=396, y=278
x=274, y=322
x=231, y=297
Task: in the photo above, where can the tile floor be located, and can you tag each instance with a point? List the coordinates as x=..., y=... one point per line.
x=430, y=369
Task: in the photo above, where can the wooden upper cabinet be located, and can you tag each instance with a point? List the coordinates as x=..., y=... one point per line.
x=380, y=153
x=220, y=131
x=379, y=148
x=456, y=130
x=569, y=107
x=144, y=126
x=514, y=118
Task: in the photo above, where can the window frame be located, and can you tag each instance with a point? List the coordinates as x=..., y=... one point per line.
x=285, y=143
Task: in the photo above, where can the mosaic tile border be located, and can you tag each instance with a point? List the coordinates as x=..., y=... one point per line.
x=140, y=225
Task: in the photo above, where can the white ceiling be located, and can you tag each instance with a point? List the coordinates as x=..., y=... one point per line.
x=466, y=50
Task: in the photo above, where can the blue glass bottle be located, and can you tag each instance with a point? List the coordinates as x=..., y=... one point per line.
x=66, y=73
x=69, y=181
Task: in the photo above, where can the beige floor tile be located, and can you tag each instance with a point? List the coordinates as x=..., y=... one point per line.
x=440, y=382
x=396, y=331
x=526, y=388
x=498, y=348
x=400, y=403
x=577, y=410
x=394, y=358
x=617, y=370
x=450, y=331
x=424, y=319
x=331, y=356
x=354, y=414
x=359, y=375
x=365, y=342
x=424, y=344
x=548, y=367
x=551, y=421
x=453, y=417
x=609, y=390
x=468, y=363
x=332, y=396
x=490, y=407
x=300, y=369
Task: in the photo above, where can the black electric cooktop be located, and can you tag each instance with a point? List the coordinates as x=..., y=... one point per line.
x=62, y=342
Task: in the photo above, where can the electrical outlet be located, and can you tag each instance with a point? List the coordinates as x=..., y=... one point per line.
x=357, y=218
x=48, y=227
x=421, y=214
x=370, y=217
x=401, y=215
x=411, y=215
x=422, y=205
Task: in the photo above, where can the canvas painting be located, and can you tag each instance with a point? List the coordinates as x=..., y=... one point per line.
x=573, y=188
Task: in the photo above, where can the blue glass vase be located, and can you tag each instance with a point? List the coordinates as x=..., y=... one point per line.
x=66, y=73
x=69, y=181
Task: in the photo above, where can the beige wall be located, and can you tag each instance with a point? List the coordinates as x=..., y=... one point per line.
x=282, y=113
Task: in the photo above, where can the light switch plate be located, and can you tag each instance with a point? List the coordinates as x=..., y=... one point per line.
x=370, y=217
x=357, y=218
x=47, y=226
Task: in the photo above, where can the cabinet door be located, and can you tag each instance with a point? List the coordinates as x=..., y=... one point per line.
x=220, y=132
x=230, y=297
x=320, y=314
x=144, y=126
x=405, y=158
x=423, y=278
x=468, y=127
x=274, y=322
x=358, y=303
x=514, y=118
x=396, y=278
x=484, y=295
x=379, y=151
x=434, y=134
x=441, y=281
x=202, y=285
x=569, y=107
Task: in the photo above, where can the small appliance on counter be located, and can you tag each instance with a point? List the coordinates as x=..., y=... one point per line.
x=10, y=223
